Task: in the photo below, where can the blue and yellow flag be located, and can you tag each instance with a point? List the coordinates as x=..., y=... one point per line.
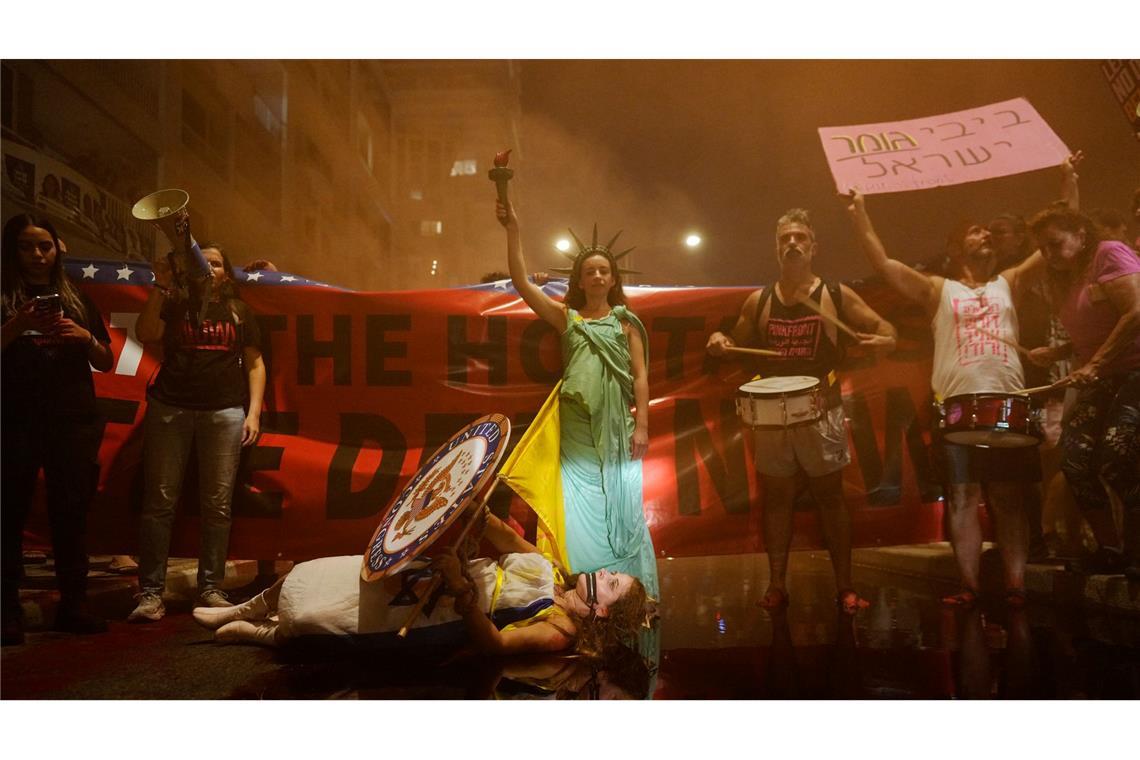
x=534, y=472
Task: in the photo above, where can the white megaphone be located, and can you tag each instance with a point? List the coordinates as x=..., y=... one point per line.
x=167, y=210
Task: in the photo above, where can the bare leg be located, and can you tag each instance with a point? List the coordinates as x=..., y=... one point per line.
x=1032, y=500
x=973, y=667
x=1103, y=527
x=966, y=531
x=1012, y=530
x=779, y=494
x=836, y=523
x=1061, y=513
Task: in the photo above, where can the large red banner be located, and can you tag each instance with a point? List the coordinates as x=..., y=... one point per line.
x=364, y=386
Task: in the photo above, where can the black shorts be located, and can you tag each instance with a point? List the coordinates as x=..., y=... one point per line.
x=978, y=464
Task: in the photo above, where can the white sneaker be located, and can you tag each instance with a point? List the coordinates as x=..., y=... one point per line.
x=244, y=632
x=150, y=608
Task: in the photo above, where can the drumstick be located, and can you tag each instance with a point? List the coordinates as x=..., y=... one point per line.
x=1038, y=389
x=438, y=579
x=753, y=351
x=811, y=305
x=1062, y=383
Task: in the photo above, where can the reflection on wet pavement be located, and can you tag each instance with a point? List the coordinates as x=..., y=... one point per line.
x=713, y=642
x=718, y=645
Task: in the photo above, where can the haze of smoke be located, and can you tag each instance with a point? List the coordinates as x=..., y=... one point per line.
x=567, y=181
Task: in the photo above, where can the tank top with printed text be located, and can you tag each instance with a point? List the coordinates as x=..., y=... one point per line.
x=799, y=335
x=970, y=328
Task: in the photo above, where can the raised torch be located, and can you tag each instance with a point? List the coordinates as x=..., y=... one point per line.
x=501, y=175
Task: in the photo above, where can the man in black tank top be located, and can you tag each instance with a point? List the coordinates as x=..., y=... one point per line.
x=807, y=344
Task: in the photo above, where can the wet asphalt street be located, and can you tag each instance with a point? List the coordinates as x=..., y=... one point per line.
x=712, y=642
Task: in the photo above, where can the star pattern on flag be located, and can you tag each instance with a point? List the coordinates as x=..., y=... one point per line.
x=134, y=273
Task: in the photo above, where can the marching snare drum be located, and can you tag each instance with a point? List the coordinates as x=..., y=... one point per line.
x=1000, y=420
x=779, y=402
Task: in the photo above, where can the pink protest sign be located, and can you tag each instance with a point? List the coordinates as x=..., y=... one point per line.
x=966, y=146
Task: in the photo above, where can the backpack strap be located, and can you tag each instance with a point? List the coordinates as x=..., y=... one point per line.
x=835, y=290
x=763, y=309
x=831, y=298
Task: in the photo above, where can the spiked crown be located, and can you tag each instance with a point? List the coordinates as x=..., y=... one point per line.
x=589, y=250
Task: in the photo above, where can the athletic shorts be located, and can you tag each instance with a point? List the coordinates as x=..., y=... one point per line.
x=818, y=449
x=978, y=464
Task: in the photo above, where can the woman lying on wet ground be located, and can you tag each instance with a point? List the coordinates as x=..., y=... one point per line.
x=511, y=606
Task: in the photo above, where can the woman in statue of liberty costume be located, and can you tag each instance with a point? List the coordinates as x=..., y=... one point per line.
x=605, y=373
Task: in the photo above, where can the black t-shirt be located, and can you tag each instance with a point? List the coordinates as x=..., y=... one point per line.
x=202, y=368
x=49, y=376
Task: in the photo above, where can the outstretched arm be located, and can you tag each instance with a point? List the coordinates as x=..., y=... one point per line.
x=874, y=331
x=1034, y=265
x=1022, y=275
x=1070, y=192
x=504, y=539
x=485, y=637
x=912, y=284
x=540, y=303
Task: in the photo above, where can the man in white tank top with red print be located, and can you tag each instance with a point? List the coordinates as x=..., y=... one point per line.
x=975, y=327
x=777, y=319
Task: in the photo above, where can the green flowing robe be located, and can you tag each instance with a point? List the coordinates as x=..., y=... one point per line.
x=601, y=485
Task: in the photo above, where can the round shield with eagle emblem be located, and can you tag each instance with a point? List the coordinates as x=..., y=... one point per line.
x=436, y=496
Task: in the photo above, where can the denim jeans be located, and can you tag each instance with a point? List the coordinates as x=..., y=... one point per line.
x=169, y=432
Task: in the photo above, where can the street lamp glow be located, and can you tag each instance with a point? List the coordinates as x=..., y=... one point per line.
x=563, y=245
x=692, y=240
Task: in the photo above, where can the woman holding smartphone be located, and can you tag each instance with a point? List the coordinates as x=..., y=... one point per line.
x=52, y=335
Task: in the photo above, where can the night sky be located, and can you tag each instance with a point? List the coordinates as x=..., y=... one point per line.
x=724, y=147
